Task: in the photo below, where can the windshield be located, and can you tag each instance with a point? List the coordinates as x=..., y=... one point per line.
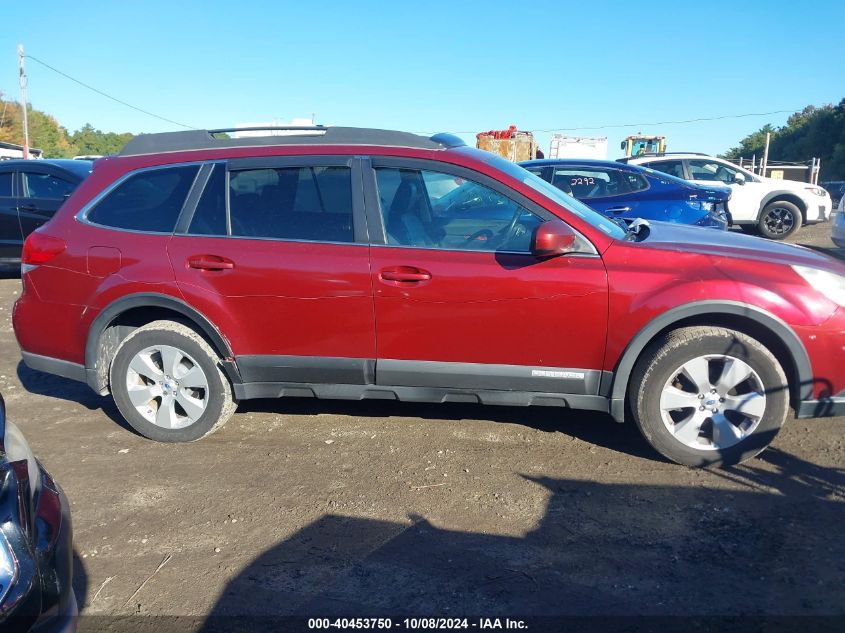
x=556, y=195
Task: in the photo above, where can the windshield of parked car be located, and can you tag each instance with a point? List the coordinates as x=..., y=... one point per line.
x=556, y=195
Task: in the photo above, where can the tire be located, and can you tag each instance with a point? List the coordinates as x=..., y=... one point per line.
x=779, y=220
x=731, y=425
x=197, y=396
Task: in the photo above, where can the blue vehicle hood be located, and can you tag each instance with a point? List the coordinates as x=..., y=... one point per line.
x=710, y=193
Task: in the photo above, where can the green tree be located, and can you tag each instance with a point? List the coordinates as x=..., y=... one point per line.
x=814, y=132
x=88, y=140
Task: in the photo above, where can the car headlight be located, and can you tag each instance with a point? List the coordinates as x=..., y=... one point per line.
x=8, y=567
x=827, y=283
x=13, y=444
x=816, y=190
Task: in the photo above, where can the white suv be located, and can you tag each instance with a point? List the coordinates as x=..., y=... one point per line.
x=775, y=208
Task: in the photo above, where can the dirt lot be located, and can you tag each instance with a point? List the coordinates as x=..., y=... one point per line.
x=340, y=509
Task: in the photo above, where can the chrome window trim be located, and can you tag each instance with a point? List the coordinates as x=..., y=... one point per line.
x=594, y=254
x=268, y=239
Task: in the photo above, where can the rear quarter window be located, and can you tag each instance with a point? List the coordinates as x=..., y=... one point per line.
x=148, y=201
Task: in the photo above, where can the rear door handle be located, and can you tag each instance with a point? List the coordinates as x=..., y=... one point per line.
x=28, y=207
x=210, y=262
x=407, y=274
x=619, y=209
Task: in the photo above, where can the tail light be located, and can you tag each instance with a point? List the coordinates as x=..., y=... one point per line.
x=40, y=248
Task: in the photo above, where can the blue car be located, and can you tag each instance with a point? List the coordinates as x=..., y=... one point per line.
x=627, y=192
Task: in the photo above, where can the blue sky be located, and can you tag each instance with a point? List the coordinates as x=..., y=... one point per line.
x=458, y=66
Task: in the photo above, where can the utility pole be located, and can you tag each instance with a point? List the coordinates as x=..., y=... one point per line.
x=765, y=163
x=23, y=102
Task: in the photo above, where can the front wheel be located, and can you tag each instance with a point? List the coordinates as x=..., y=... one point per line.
x=779, y=220
x=167, y=383
x=706, y=396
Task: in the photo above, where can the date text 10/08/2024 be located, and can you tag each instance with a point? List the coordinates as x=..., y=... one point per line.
x=416, y=624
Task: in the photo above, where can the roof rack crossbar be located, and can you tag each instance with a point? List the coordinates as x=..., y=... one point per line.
x=271, y=128
x=311, y=135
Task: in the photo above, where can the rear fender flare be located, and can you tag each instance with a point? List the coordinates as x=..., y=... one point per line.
x=151, y=300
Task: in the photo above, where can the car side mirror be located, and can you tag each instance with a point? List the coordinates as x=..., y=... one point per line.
x=739, y=179
x=553, y=238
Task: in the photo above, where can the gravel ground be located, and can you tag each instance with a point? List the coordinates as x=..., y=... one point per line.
x=349, y=508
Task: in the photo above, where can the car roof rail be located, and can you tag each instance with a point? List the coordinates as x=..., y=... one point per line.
x=650, y=154
x=293, y=135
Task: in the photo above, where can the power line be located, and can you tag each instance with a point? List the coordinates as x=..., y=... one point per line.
x=697, y=120
x=108, y=96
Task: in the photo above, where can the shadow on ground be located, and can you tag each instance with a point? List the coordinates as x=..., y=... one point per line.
x=772, y=548
x=53, y=386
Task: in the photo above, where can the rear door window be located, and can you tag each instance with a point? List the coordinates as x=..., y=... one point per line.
x=6, y=185
x=148, y=201
x=47, y=186
x=298, y=203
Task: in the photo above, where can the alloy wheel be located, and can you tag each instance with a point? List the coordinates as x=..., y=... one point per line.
x=167, y=386
x=713, y=402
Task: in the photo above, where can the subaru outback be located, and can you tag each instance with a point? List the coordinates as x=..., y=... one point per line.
x=192, y=271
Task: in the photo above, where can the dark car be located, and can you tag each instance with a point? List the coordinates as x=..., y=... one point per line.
x=30, y=193
x=836, y=189
x=36, y=556
x=628, y=192
x=191, y=272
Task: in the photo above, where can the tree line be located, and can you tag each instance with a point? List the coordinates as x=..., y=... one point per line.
x=814, y=132
x=47, y=134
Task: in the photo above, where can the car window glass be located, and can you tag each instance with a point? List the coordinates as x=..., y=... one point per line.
x=210, y=214
x=6, y=184
x=711, y=170
x=585, y=182
x=299, y=203
x=45, y=186
x=671, y=167
x=437, y=210
x=147, y=201
x=634, y=182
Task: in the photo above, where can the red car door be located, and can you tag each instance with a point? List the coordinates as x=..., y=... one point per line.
x=461, y=303
x=282, y=269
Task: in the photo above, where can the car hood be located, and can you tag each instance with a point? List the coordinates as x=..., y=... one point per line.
x=709, y=192
x=691, y=239
x=789, y=185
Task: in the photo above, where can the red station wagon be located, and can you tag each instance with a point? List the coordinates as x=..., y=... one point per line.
x=193, y=271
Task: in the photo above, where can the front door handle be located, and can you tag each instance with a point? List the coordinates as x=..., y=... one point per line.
x=406, y=274
x=210, y=262
x=619, y=209
x=28, y=207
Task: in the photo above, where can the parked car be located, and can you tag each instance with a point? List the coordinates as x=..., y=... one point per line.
x=629, y=192
x=191, y=272
x=771, y=207
x=30, y=193
x=36, y=551
x=838, y=231
x=836, y=189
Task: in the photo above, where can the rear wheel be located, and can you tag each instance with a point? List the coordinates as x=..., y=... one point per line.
x=705, y=396
x=779, y=220
x=166, y=382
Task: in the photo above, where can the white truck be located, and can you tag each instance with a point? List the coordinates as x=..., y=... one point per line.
x=578, y=147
